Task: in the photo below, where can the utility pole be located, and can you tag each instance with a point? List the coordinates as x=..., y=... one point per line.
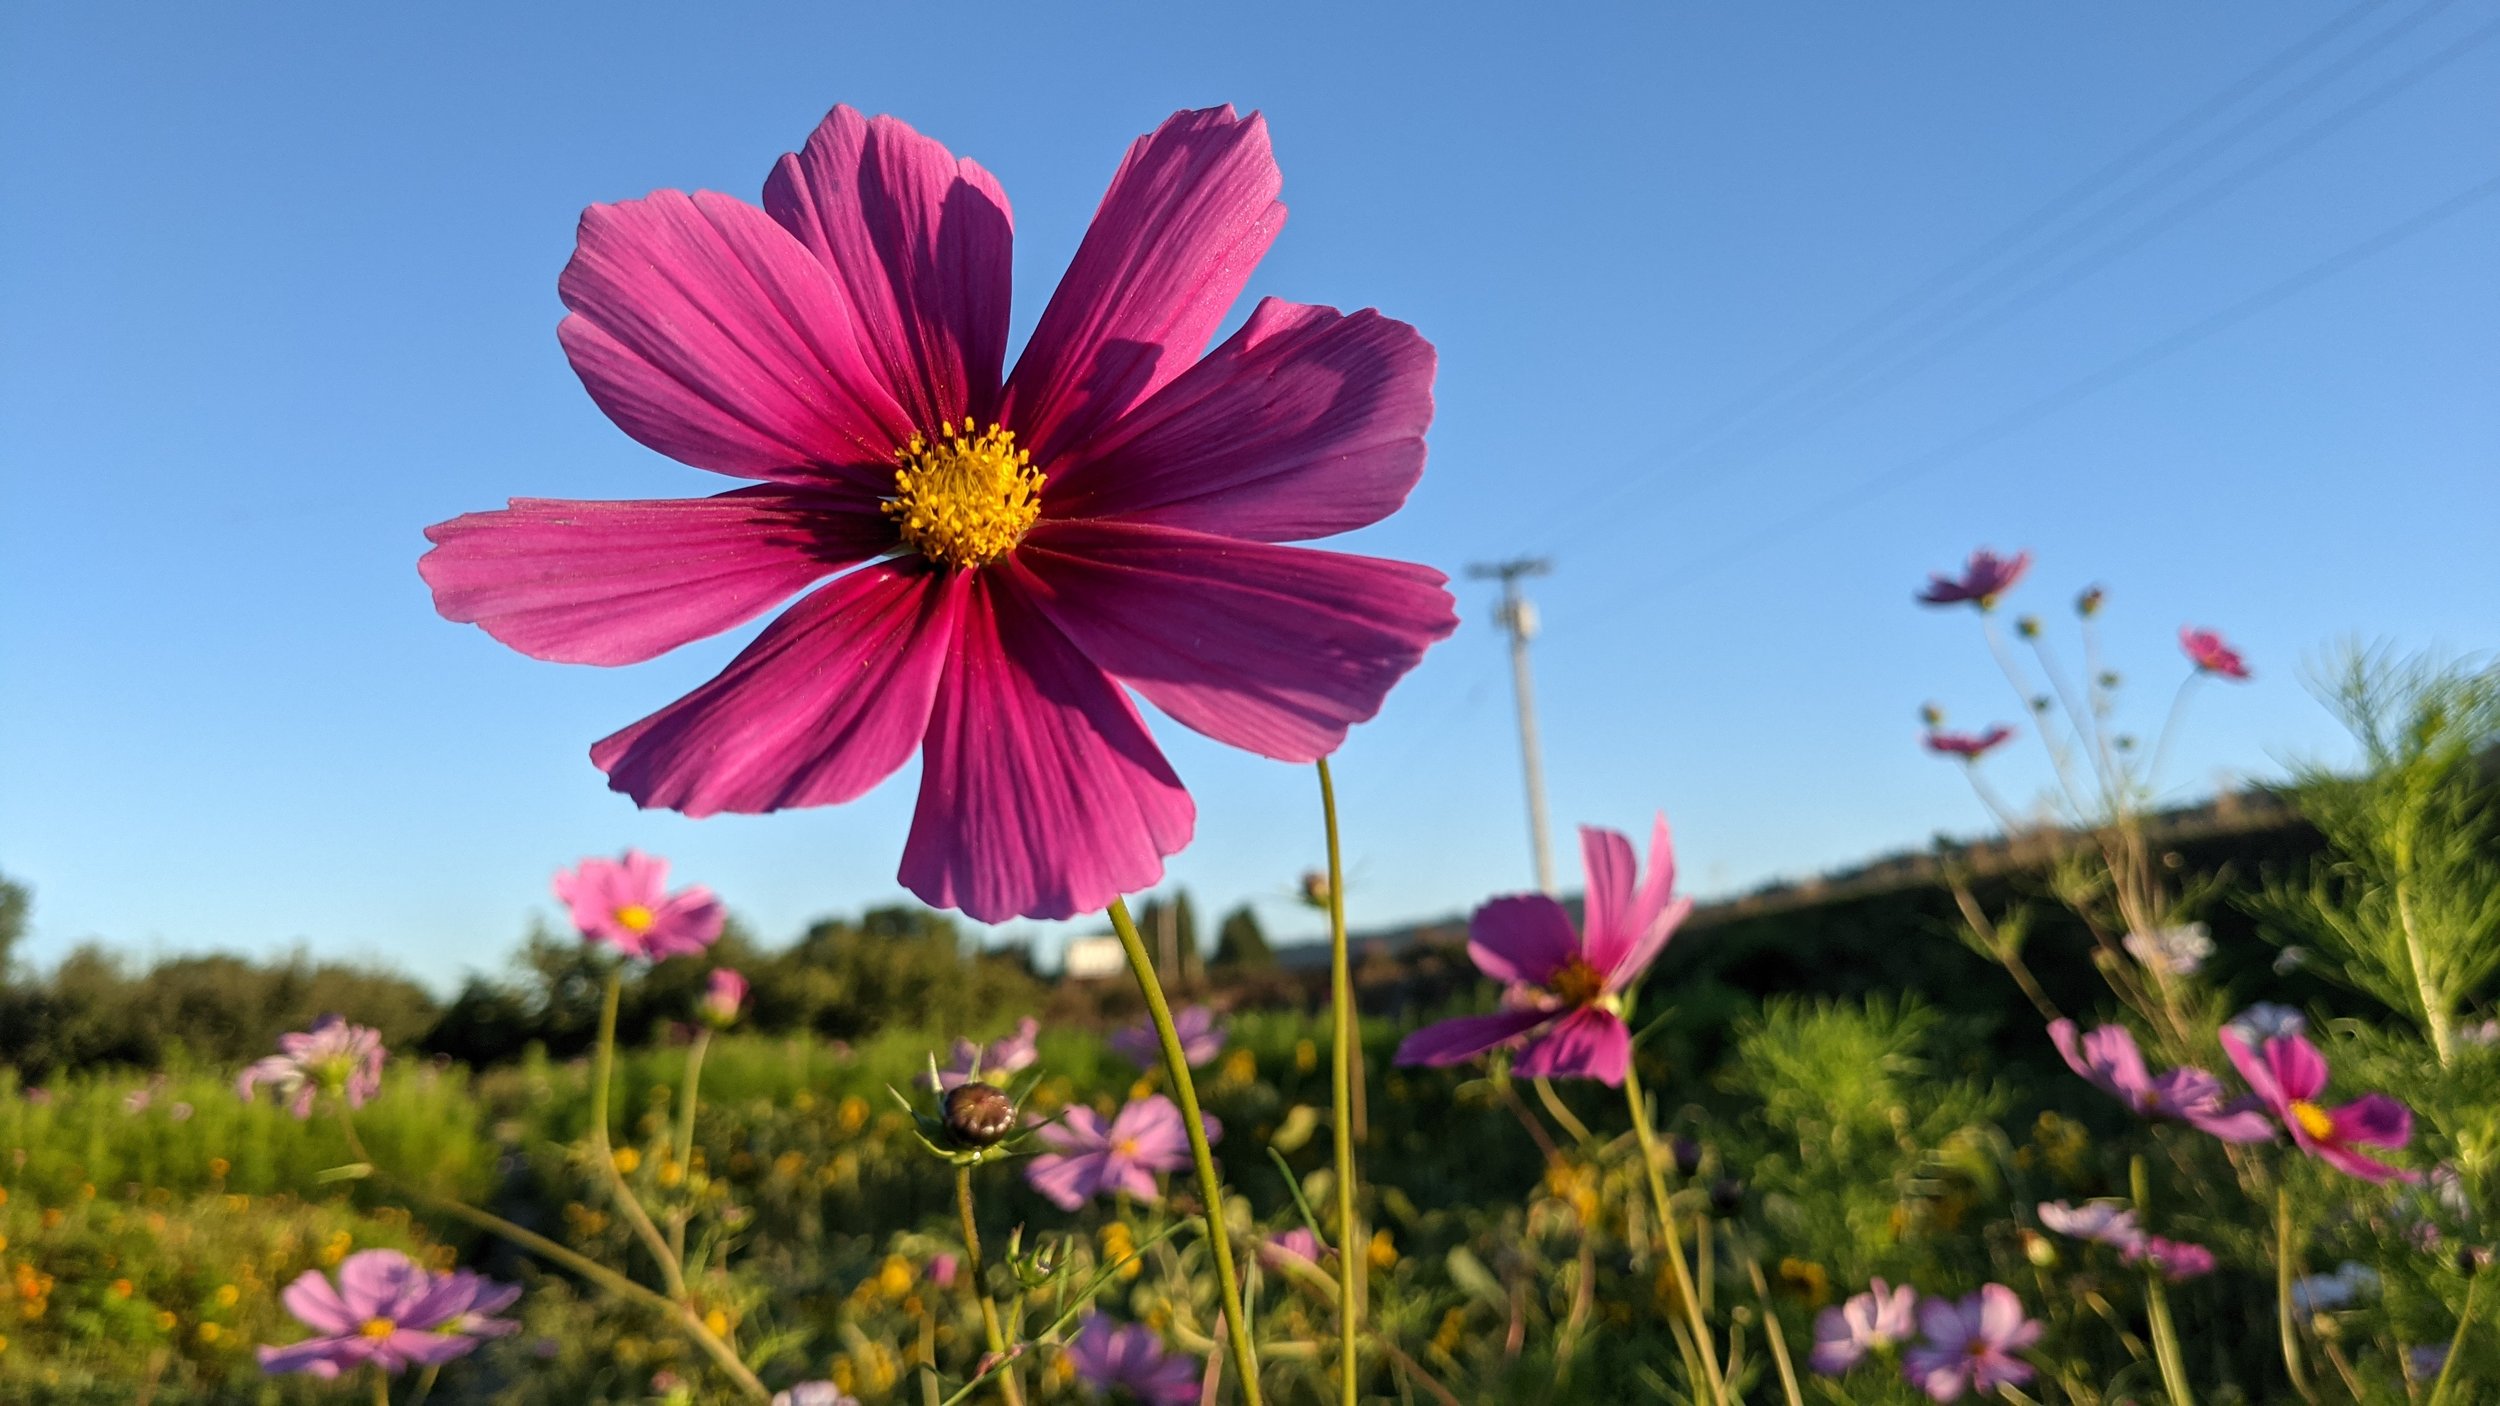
x=1519, y=618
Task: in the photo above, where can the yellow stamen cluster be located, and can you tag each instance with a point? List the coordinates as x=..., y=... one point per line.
x=633, y=917
x=962, y=498
x=378, y=1328
x=2314, y=1121
x=1578, y=983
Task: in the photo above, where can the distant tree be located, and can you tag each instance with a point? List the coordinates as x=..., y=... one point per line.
x=1172, y=924
x=1240, y=944
x=14, y=903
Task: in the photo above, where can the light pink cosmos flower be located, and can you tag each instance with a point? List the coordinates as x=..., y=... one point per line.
x=1970, y=747
x=1298, y=1243
x=1566, y=988
x=1987, y=577
x=724, y=997
x=2211, y=655
x=814, y=1394
x=1009, y=1054
x=1132, y=1359
x=1202, y=1039
x=1970, y=1345
x=2105, y=1222
x=2287, y=1074
x=2173, y=1259
x=1110, y=515
x=387, y=1312
x=1087, y=1159
x=1876, y=1321
x=332, y=1057
x=2109, y=1059
x=626, y=904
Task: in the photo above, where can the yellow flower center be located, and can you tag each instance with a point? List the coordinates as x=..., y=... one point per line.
x=633, y=917
x=1125, y=1147
x=1578, y=983
x=378, y=1328
x=965, y=499
x=2313, y=1120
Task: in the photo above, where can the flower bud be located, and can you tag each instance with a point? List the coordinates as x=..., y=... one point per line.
x=979, y=1115
x=2028, y=627
x=1687, y=1155
x=2088, y=604
x=1727, y=1196
x=1931, y=715
x=2037, y=1249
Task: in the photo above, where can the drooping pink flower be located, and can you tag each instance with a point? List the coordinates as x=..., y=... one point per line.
x=1110, y=516
x=724, y=997
x=1297, y=1243
x=2287, y=1074
x=1970, y=747
x=1876, y=1321
x=1009, y=1054
x=333, y=1057
x=2109, y=1059
x=2104, y=1222
x=1970, y=1345
x=626, y=904
x=1144, y=1139
x=387, y=1312
x=1565, y=987
x=1202, y=1039
x=1132, y=1359
x=2174, y=1260
x=2207, y=650
x=1987, y=577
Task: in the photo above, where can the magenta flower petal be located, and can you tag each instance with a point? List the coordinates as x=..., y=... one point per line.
x=1305, y=423
x=1626, y=923
x=314, y=1357
x=1276, y=650
x=1590, y=1043
x=1463, y=1038
x=2375, y=1119
x=828, y=701
x=1041, y=794
x=1523, y=939
x=918, y=244
x=618, y=583
x=2253, y=1069
x=708, y=333
x=1188, y=216
x=2299, y=1070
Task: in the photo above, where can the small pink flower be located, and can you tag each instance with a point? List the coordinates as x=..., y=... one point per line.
x=1087, y=1159
x=1133, y=1360
x=388, y=1313
x=1878, y=1320
x=2105, y=1222
x=1970, y=1345
x=332, y=1057
x=2207, y=651
x=1987, y=577
x=1566, y=987
x=1202, y=1039
x=1968, y=746
x=1297, y=1243
x=625, y=904
x=943, y=1268
x=2109, y=1059
x=1009, y=1054
x=2287, y=1074
x=724, y=997
x=2173, y=1259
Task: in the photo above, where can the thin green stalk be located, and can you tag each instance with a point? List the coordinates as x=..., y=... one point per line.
x=603, y=1068
x=2456, y=1344
x=2284, y=1255
x=1210, y=1185
x=2157, y=1301
x=1344, y=1029
x=1773, y=1329
x=1009, y=1389
x=685, y=1137
x=1667, y=1232
x=381, y=1388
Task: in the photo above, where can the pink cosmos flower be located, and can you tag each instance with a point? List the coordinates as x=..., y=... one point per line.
x=724, y=996
x=1298, y=1243
x=389, y=1313
x=1987, y=577
x=814, y=1394
x=2105, y=1222
x=1566, y=988
x=1970, y=1346
x=1202, y=1039
x=2287, y=1074
x=1875, y=1321
x=2210, y=654
x=2174, y=1259
x=2109, y=1059
x=625, y=903
x=1132, y=1359
x=1969, y=747
x=1009, y=1054
x=1109, y=516
x=1087, y=1159
x=942, y=1269
x=332, y=1057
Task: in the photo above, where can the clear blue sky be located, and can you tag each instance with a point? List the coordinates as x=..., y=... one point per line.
x=277, y=290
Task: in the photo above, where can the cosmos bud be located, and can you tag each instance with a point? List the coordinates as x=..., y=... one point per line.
x=979, y=1115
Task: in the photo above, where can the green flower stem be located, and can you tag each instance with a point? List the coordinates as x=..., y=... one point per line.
x=1009, y=1389
x=2285, y=1253
x=685, y=1138
x=1772, y=1329
x=1210, y=1185
x=603, y=1068
x=2456, y=1344
x=1674, y=1240
x=1341, y=1075
x=2157, y=1300
x=381, y=1388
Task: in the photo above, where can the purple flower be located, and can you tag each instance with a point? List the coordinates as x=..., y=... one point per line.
x=2109, y=1223
x=1009, y=1054
x=388, y=1313
x=1981, y=582
x=2108, y=1057
x=625, y=903
x=723, y=998
x=1566, y=993
x=2287, y=1074
x=1875, y=1321
x=1970, y=1345
x=1131, y=1358
x=2175, y=1259
x=1147, y=1137
x=814, y=1394
x=1969, y=746
x=2424, y=1364
x=2265, y=1020
x=1202, y=1039
x=332, y=1057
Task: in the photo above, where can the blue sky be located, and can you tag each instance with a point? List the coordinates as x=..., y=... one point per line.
x=279, y=291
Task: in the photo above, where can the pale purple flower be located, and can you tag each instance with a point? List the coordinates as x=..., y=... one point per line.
x=2346, y=1285
x=1981, y=582
x=1878, y=1320
x=332, y=1057
x=2105, y=1222
x=2174, y=1259
x=2265, y=1020
x=2424, y=1364
x=814, y=1394
x=723, y=998
x=625, y=903
x=2174, y=951
x=1202, y=1039
x=2108, y=1057
x=2287, y=1074
x=1088, y=1159
x=1970, y=1345
x=1009, y=1054
x=387, y=1312
x=1566, y=989
x=1132, y=1359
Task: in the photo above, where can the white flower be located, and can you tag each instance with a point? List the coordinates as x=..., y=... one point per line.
x=2177, y=951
